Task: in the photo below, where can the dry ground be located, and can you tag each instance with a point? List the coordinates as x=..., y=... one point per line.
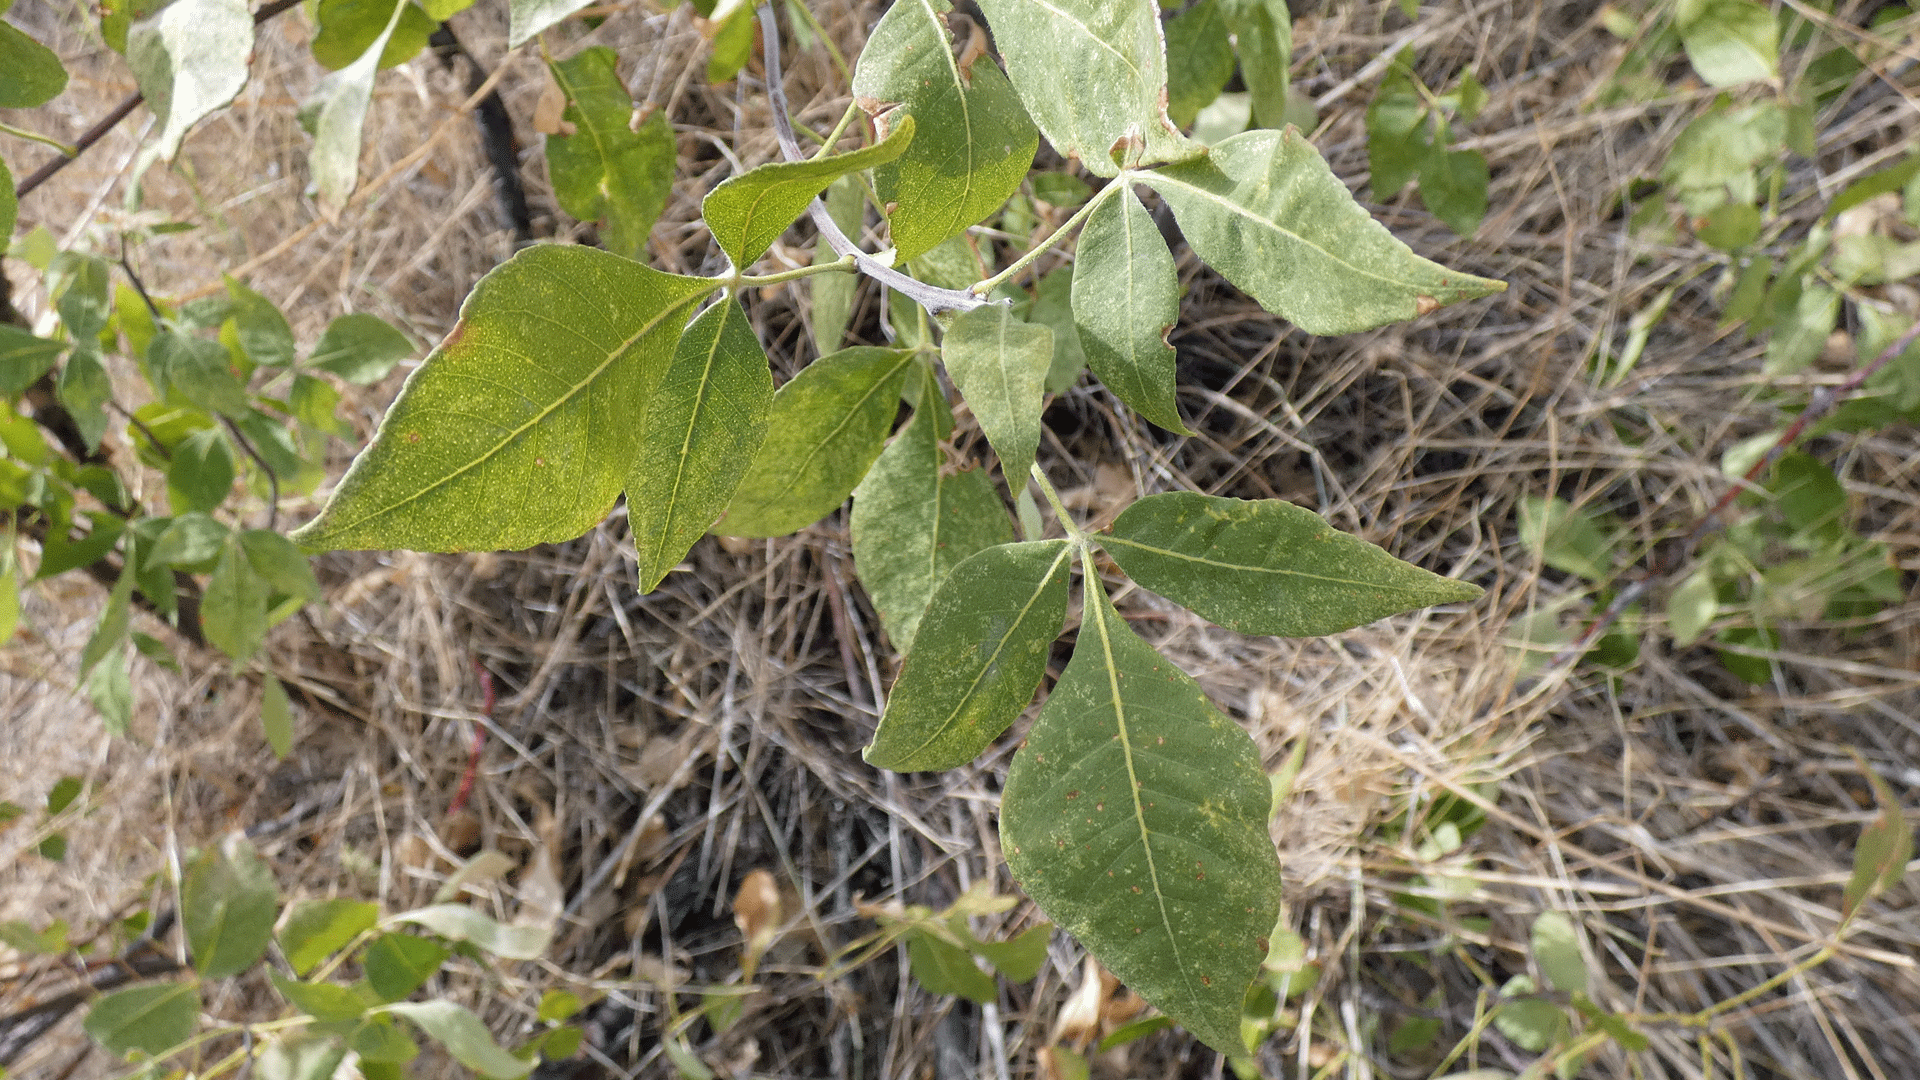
x=658, y=748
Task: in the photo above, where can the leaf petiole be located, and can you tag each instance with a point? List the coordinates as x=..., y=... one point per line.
x=839, y=129
x=34, y=136
x=1074, y=533
x=1119, y=183
x=844, y=264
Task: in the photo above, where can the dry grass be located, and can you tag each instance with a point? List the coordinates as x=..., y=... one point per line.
x=1699, y=830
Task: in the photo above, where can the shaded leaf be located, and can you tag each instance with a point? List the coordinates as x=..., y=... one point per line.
x=747, y=213
x=832, y=294
x=84, y=388
x=227, y=906
x=1000, y=366
x=189, y=60
x=980, y=653
x=1018, y=958
x=975, y=142
x=1263, y=30
x=360, y=348
x=379, y=1039
x=464, y=1036
x=1093, y=76
x=233, y=610
x=1267, y=567
x=24, y=357
x=276, y=716
x=1886, y=846
x=462, y=923
x=397, y=964
x=264, y=334
x=1729, y=42
x=605, y=169
x=316, y=929
x=9, y=208
x=1556, y=948
x=1567, y=538
x=152, y=1019
x=198, y=372
x=189, y=540
x=1453, y=184
x=111, y=631
x=30, y=75
x=1265, y=210
x=348, y=28
x=946, y=969
x=199, y=477
x=703, y=426
x=917, y=514
x=1691, y=608
x=280, y=564
x=824, y=430
x=1199, y=60
x=322, y=1001
x=555, y=356
x=1053, y=309
x=1136, y=817
x=110, y=688
x=1126, y=297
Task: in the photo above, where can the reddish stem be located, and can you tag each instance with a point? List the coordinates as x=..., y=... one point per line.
x=479, y=738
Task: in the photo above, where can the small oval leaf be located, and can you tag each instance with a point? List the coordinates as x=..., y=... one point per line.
x=1000, y=365
x=227, y=905
x=1126, y=297
x=151, y=1019
x=747, y=213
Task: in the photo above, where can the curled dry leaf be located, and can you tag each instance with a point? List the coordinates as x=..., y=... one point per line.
x=1096, y=1009
x=758, y=912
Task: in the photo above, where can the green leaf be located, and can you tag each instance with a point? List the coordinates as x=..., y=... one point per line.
x=1265, y=211
x=233, y=610
x=1729, y=42
x=548, y=372
x=276, y=716
x=199, y=372
x=1571, y=540
x=379, y=1040
x=301, y=1055
x=189, y=540
x=747, y=213
x=316, y=929
x=1797, y=341
x=1053, y=309
x=24, y=357
x=61, y=553
x=1267, y=567
x=464, y=1036
x=556, y=1006
x=9, y=601
x=1000, y=365
x=1886, y=846
x=948, y=970
x=605, y=170
x=84, y=388
x=1811, y=499
x=151, y=1019
x=9, y=203
x=826, y=427
x=1199, y=60
x=918, y=514
x=462, y=923
x=1723, y=147
x=1453, y=184
x=528, y=17
x=1752, y=670
x=322, y=1001
x=264, y=334
x=110, y=689
x=1556, y=948
x=832, y=294
x=1397, y=141
x=348, y=28
x=111, y=631
x=189, y=60
x=706, y=421
x=30, y=75
x=732, y=44
x=1532, y=1023
x=335, y=112
x=360, y=348
x=1691, y=608
x=227, y=905
x=1263, y=30
x=975, y=142
x=200, y=476
x=1017, y=958
x=1126, y=298
x=1730, y=226
x=396, y=964
x=1136, y=817
x=1093, y=75
x=280, y=564
x=980, y=653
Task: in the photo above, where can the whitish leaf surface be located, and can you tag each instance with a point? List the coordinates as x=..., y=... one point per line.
x=1265, y=211
x=703, y=426
x=526, y=18
x=1263, y=29
x=1126, y=297
x=978, y=657
x=300, y=1055
x=464, y=1036
x=1000, y=365
x=335, y=112
x=227, y=904
x=825, y=429
x=462, y=923
x=1267, y=566
x=1093, y=75
x=30, y=75
x=747, y=213
x=521, y=427
x=1136, y=817
x=1556, y=948
x=152, y=1019
x=605, y=170
x=1729, y=42
x=189, y=60
x=975, y=142
x=918, y=514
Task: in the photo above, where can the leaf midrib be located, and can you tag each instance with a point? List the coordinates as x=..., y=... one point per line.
x=686, y=441
x=1240, y=567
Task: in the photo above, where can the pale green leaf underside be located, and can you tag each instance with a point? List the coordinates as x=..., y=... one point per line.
x=464, y=1036
x=153, y=1019
x=1264, y=31
x=977, y=659
x=826, y=427
x=605, y=169
x=526, y=18
x=1267, y=567
x=521, y=427
x=747, y=213
x=190, y=59
x=1093, y=75
x=975, y=142
x=338, y=111
x=1265, y=210
x=917, y=515
x=1136, y=817
x=1000, y=365
x=227, y=906
x=704, y=424
x=1126, y=296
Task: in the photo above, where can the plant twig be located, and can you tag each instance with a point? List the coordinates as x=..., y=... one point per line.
x=273, y=482
x=935, y=300
x=1822, y=402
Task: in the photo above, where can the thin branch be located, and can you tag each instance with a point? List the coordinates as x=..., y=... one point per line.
x=273, y=482
x=935, y=300
x=1822, y=402
x=120, y=112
